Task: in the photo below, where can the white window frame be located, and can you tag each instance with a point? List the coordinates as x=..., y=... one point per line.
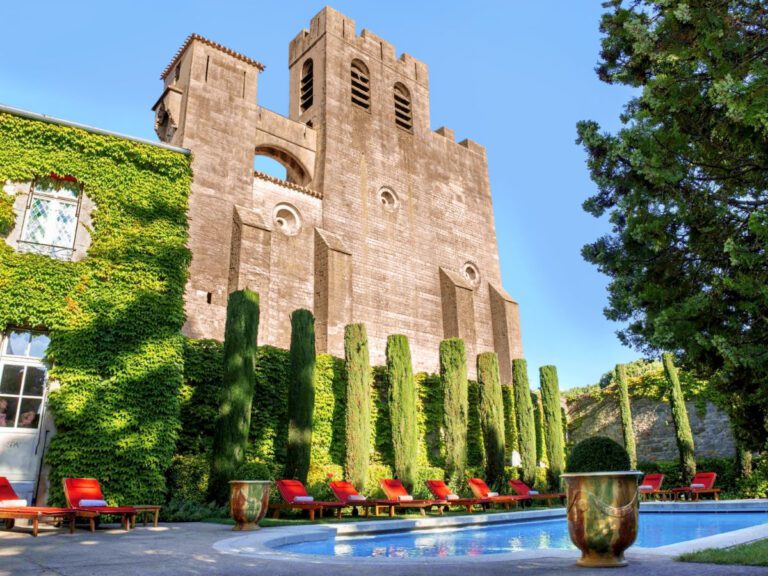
x=56, y=251
x=26, y=361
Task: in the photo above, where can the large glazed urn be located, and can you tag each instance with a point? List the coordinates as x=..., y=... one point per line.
x=603, y=515
x=248, y=502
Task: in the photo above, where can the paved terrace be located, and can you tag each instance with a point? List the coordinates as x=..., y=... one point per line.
x=178, y=549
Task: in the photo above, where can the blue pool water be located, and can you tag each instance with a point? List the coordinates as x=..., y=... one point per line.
x=656, y=529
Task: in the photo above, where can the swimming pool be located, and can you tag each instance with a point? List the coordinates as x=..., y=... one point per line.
x=655, y=530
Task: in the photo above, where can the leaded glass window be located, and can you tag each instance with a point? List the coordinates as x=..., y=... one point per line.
x=50, y=222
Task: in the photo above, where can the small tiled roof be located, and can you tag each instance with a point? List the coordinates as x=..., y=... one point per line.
x=212, y=44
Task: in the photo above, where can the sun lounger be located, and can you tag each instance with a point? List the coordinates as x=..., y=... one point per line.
x=702, y=483
x=441, y=491
x=481, y=490
x=295, y=497
x=396, y=492
x=345, y=492
x=522, y=489
x=86, y=496
x=13, y=508
x=651, y=486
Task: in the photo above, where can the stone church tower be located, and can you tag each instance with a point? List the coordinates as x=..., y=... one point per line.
x=380, y=219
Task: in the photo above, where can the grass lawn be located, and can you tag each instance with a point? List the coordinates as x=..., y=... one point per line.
x=296, y=519
x=752, y=554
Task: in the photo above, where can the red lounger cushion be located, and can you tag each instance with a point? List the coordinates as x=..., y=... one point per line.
x=6, y=490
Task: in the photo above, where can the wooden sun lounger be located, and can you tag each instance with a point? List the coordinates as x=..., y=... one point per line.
x=290, y=490
x=524, y=490
x=441, y=491
x=702, y=483
x=78, y=489
x=37, y=514
x=480, y=490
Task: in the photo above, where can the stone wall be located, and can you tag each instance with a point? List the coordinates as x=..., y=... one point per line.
x=654, y=430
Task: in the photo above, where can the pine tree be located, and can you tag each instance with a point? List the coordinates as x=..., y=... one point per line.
x=626, y=414
x=526, y=427
x=358, y=413
x=301, y=395
x=453, y=376
x=230, y=438
x=553, y=422
x=680, y=418
x=402, y=409
x=491, y=416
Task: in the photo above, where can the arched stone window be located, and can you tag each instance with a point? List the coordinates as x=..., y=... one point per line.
x=361, y=85
x=403, y=114
x=307, y=81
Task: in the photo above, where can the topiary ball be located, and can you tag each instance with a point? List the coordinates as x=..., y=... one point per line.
x=598, y=454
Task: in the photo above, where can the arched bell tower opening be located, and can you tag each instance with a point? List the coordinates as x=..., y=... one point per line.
x=269, y=159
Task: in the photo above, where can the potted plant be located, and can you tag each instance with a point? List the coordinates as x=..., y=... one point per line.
x=602, y=501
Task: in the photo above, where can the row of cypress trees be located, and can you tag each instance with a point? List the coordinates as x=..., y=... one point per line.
x=500, y=412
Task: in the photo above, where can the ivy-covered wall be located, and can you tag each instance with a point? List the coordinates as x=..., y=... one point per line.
x=114, y=318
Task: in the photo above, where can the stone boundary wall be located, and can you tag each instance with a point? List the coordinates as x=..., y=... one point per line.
x=654, y=430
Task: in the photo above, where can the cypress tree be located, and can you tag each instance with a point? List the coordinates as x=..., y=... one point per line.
x=680, y=418
x=526, y=427
x=553, y=420
x=491, y=416
x=511, y=442
x=301, y=394
x=358, y=413
x=230, y=438
x=453, y=376
x=402, y=409
x=538, y=420
x=620, y=374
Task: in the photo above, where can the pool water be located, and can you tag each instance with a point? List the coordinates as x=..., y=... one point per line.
x=656, y=529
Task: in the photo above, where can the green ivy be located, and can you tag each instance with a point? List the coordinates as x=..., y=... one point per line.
x=114, y=318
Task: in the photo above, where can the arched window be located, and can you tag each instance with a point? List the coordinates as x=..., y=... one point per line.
x=306, y=85
x=403, y=114
x=361, y=85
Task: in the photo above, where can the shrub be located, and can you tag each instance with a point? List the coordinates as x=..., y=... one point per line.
x=188, y=478
x=402, y=409
x=683, y=433
x=301, y=395
x=187, y=511
x=358, y=403
x=376, y=472
x=231, y=435
x=453, y=378
x=491, y=416
x=254, y=470
x=319, y=477
x=525, y=424
x=598, y=454
x=626, y=414
x=553, y=424
x=425, y=473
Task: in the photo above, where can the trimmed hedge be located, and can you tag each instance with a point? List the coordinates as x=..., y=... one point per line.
x=475, y=446
x=301, y=395
x=402, y=409
x=491, y=417
x=538, y=420
x=525, y=422
x=114, y=318
x=230, y=439
x=598, y=454
x=511, y=440
x=358, y=403
x=627, y=429
x=553, y=425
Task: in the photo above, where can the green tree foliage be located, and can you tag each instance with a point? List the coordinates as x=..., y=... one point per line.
x=301, y=395
x=525, y=423
x=626, y=414
x=230, y=438
x=453, y=377
x=491, y=416
x=538, y=421
x=511, y=442
x=683, y=433
x=598, y=454
x=358, y=407
x=553, y=422
x=402, y=409
x=114, y=317
x=685, y=185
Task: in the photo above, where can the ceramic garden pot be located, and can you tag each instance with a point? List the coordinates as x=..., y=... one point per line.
x=602, y=515
x=248, y=502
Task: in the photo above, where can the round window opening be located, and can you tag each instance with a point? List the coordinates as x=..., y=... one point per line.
x=388, y=199
x=471, y=273
x=287, y=219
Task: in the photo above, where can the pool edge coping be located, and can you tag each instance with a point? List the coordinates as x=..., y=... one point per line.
x=261, y=544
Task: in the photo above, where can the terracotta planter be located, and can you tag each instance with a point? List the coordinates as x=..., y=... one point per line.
x=248, y=502
x=602, y=515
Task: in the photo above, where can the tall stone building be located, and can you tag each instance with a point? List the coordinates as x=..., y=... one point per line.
x=379, y=220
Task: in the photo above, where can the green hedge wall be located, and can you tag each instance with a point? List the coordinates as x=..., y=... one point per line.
x=114, y=318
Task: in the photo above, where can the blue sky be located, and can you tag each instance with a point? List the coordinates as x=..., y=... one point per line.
x=514, y=75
